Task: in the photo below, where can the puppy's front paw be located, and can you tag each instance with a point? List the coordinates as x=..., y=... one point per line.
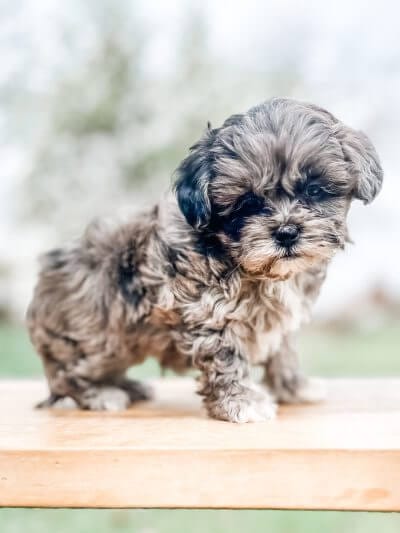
x=255, y=411
x=246, y=407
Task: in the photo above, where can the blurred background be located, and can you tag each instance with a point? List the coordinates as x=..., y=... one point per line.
x=100, y=100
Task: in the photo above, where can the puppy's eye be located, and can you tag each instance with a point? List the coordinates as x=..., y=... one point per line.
x=313, y=190
x=248, y=204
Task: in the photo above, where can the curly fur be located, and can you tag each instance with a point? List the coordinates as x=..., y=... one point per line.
x=201, y=279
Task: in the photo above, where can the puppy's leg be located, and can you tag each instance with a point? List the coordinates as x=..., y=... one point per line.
x=136, y=390
x=286, y=381
x=113, y=395
x=78, y=379
x=109, y=394
x=229, y=394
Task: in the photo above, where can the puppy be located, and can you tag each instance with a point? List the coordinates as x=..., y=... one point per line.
x=217, y=277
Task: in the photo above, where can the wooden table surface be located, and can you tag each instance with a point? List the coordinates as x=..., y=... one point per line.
x=342, y=454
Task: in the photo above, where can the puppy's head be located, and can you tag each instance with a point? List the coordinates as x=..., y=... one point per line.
x=274, y=185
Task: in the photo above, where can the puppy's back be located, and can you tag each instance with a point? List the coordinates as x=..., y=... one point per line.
x=80, y=284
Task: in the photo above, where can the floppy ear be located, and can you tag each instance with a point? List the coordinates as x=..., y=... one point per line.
x=191, y=187
x=363, y=161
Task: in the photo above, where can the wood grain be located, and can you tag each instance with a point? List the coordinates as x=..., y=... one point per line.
x=342, y=454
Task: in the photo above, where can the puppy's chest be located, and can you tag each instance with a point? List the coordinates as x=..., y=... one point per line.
x=272, y=311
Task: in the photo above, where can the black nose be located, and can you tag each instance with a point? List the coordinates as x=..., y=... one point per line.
x=287, y=235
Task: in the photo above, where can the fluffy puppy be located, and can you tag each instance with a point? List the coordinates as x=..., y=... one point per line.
x=217, y=277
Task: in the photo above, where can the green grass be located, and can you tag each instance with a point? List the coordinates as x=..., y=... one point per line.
x=361, y=353
x=17, y=357
x=372, y=352
x=173, y=521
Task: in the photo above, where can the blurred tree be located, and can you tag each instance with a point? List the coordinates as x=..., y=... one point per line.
x=79, y=158
x=114, y=129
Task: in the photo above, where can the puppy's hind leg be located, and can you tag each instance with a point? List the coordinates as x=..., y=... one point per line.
x=109, y=394
x=76, y=379
x=136, y=390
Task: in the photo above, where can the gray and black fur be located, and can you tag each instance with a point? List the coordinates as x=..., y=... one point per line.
x=218, y=277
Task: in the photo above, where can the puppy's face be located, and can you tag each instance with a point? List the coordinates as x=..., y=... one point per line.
x=274, y=185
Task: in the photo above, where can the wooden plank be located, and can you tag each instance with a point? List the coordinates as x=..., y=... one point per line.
x=343, y=454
